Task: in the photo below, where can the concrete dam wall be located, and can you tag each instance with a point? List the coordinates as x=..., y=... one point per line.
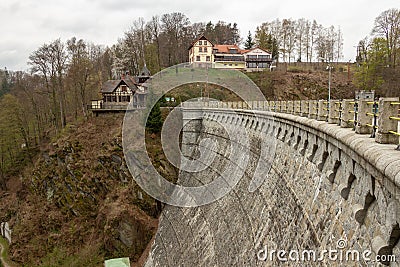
x=325, y=188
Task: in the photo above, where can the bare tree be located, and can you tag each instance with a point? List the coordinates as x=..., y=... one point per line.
x=291, y=39
x=139, y=25
x=307, y=40
x=78, y=72
x=50, y=61
x=174, y=26
x=362, y=51
x=154, y=29
x=339, y=45
x=301, y=33
x=197, y=29
x=285, y=32
x=315, y=28
x=387, y=25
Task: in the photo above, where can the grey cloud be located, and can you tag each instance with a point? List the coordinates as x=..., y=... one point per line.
x=30, y=23
x=14, y=56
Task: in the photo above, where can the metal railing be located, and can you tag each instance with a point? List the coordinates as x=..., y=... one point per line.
x=230, y=58
x=395, y=118
x=374, y=115
x=110, y=106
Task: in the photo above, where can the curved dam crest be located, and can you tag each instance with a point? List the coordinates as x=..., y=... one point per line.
x=325, y=184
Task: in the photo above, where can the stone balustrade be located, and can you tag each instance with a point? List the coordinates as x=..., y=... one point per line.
x=380, y=119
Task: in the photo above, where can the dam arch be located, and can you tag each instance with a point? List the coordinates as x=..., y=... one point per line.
x=323, y=188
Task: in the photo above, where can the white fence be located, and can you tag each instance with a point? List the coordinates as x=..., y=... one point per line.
x=6, y=231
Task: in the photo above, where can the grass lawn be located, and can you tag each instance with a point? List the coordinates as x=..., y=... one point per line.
x=4, y=253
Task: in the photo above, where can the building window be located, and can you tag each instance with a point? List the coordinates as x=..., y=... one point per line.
x=230, y=64
x=197, y=58
x=123, y=88
x=200, y=42
x=251, y=65
x=205, y=49
x=236, y=64
x=200, y=49
x=207, y=58
x=205, y=42
x=125, y=98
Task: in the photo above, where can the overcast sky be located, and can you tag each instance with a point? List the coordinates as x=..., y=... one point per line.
x=27, y=24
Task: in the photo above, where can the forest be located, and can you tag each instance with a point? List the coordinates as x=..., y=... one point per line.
x=66, y=74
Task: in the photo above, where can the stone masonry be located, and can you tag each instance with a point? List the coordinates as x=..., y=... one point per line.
x=326, y=184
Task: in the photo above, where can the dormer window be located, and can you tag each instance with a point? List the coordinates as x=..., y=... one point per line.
x=232, y=51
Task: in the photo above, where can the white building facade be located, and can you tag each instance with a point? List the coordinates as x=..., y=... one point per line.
x=203, y=53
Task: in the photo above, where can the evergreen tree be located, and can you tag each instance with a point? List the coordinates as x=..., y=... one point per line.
x=154, y=121
x=261, y=38
x=235, y=34
x=249, y=41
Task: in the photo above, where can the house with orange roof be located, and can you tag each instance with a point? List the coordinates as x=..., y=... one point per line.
x=204, y=53
x=228, y=57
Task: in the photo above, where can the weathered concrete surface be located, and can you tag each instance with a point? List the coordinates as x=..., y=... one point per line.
x=326, y=183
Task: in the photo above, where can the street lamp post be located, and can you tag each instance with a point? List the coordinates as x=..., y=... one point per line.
x=329, y=68
x=329, y=84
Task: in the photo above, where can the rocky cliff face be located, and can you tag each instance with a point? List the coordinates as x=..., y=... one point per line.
x=78, y=204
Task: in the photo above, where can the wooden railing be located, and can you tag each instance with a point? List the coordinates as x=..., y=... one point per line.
x=100, y=105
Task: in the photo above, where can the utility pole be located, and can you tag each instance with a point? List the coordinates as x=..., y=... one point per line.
x=348, y=72
x=329, y=84
x=329, y=68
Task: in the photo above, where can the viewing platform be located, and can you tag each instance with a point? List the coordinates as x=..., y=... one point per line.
x=99, y=106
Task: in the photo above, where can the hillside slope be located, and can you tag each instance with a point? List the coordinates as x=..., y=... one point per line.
x=310, y=81
x=78, y=204
x=299, y=84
